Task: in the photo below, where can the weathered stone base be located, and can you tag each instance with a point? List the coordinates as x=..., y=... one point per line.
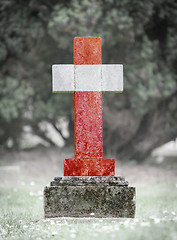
x=89, y=197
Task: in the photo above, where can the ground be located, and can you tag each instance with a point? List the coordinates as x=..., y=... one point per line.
x=24, y=174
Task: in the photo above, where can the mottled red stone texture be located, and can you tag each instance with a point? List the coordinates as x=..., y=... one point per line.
x=88, y=124
x=88, y=119
x=89, y=167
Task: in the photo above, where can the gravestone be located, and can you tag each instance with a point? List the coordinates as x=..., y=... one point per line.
x=89, y=187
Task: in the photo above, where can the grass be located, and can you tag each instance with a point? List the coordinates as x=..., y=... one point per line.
x=21, y=216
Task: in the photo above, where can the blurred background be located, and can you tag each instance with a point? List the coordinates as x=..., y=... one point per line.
x=141, y=35
x=37, y=126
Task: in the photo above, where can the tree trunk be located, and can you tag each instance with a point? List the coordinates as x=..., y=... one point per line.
x=135, y=137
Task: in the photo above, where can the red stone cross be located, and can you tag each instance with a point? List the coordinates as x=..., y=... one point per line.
x=88, y=129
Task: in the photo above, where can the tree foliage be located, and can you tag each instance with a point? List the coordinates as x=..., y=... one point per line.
x=140, y=34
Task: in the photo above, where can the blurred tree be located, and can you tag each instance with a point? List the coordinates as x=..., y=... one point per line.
x=141, y=35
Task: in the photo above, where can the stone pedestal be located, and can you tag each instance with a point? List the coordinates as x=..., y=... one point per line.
x=89, y=197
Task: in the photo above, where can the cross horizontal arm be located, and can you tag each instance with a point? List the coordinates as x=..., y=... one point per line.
x=103, y=77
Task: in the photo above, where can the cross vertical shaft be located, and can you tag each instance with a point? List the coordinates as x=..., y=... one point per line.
x=88, y=104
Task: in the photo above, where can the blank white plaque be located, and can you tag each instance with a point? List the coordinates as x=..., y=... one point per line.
x=63, y=78
x=103, y=77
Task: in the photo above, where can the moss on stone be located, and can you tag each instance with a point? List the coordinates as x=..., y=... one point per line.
x=82, y=200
